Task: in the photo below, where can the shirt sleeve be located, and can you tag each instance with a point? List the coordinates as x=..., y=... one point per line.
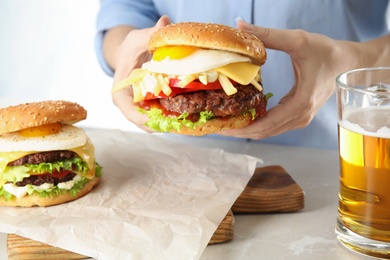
x=112, y=13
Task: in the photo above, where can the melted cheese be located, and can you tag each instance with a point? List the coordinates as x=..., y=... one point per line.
x=86, y=153
x=226, y=85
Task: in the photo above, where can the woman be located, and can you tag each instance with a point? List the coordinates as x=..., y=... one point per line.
x=301, y=66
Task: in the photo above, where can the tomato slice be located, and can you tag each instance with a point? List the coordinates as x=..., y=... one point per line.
x=59, y=174
x=175, y=91
x=191, y=87
x=196, y=85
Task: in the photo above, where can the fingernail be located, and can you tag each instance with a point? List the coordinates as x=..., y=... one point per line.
x=245, y=26
x=239, y=18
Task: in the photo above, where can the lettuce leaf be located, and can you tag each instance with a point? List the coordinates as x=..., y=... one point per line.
x=268, y=95
x=253, y=113
x=5, y=194
x=68, y=164
x=98, y=170
x=161, y=123
x=15, y=173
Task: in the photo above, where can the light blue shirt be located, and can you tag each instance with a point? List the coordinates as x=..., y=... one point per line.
x=356, y=20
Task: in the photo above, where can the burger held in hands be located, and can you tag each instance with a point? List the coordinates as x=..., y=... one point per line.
x=203, y=78
x=44, y=159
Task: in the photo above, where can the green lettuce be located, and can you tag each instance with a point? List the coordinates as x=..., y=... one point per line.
x=161, y=123
x=15, y=173
x=268, y=95
x=252, y=111
x=4, y=194
x=75, y=164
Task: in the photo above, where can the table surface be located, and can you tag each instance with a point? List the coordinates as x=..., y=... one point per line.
x=307, y=234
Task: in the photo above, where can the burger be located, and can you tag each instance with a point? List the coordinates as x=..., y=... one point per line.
x=202, y=78
x=44, y=159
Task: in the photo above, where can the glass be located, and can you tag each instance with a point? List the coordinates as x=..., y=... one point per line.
x=363, y=101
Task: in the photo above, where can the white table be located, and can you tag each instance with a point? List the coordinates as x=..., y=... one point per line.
x=308, y=234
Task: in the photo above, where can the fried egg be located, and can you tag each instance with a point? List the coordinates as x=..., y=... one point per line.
x=43, y=138
x=184, y=60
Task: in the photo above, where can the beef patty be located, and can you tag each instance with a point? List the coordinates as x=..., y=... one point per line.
x=216, y=101
x=37, y=158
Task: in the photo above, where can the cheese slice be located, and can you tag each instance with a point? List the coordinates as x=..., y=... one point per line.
x=226, y=85
x=241, y=72
x=86, y=153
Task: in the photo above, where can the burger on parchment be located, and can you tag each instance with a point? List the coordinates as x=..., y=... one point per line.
x=203, y=78
x=44, y=159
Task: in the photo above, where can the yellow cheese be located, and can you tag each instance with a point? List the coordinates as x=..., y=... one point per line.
x=135, y=76
x=226, y=85
x=137, y=92
x=86, y=153
x=241, y=72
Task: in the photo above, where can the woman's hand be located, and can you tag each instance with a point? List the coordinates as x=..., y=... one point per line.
x=316, y=60
x=130, y=53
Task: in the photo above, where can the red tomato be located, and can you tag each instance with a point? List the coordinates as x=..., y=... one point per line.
x=60, y=174
x=197, y=85
x=175, y=91
x=191, y=87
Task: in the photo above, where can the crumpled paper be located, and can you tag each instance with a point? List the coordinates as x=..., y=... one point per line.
x=157, y=200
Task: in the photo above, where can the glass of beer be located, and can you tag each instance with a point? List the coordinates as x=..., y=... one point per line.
x=363, y=101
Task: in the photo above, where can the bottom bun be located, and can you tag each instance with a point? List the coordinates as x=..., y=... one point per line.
x=36, y=200
x=215, y=125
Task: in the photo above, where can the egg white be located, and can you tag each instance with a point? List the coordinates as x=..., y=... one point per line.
x=199, y=61
x=68, y=137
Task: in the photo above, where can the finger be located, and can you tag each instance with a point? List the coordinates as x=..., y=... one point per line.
x=277, y=121
x=127, y=64
x=163, y=21
x=272, y=38
x=124, y=101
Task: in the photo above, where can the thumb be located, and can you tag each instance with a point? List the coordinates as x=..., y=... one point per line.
x=163, y=21
x=272, y=38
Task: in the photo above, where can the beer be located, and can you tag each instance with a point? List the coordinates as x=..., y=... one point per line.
x=364, y=200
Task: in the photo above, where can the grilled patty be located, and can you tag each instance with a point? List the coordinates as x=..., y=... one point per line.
x=38, y=158
x=216, y=101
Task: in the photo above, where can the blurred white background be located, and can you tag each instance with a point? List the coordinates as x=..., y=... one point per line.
x=47, y=52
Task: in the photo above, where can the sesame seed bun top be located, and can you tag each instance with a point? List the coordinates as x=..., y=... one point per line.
x=16, y=118
x=209, y=36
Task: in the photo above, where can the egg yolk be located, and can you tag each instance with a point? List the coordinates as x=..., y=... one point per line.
x=173, y=52
x=41, y=130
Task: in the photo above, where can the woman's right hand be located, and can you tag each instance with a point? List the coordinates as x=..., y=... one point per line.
x=125, y=49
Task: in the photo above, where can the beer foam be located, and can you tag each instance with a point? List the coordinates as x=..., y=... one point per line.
x=371, y=121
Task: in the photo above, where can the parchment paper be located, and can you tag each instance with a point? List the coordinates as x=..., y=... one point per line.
x=156, y=200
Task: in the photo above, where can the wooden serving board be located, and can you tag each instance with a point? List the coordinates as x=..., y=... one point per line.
x=271, y=189
x=225, y=230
